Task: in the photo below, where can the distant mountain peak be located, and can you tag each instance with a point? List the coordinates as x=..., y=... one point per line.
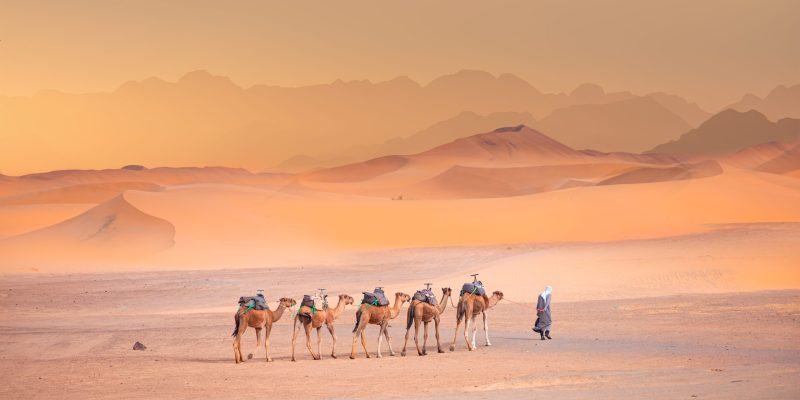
x=588, y=90
x=202, y=78
x=729, y=131
x=510, y=128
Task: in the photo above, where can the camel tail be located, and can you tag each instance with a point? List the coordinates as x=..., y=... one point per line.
x=460, y=312
x=410, y=317
x=236, y=328
x=358, y=320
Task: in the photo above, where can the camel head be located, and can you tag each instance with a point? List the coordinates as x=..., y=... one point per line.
x=287, y=302
x=347, y=299
x=446, y=291
x=402, y=297
x=498, y=294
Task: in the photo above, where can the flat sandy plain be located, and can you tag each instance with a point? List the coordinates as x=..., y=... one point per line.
x=70, y=336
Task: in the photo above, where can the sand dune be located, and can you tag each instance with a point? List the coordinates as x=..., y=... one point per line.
x=679, y=172
x=228, y=225
x=510, y=185
x=18, y=219
x=519, y=144
x=113, y=230
x=786, y=162
x=131, y=176
x=752, y=156
x=359, y=171
x=80, y=193
x=473, y=182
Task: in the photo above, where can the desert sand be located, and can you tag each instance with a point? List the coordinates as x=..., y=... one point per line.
x=70, y=336
x=674, y=277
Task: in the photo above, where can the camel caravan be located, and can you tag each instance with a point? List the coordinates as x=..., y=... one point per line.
x=374, y=309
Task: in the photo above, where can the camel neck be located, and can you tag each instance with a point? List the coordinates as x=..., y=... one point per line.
x=278, y=312
x=395, y=308
x=443, y=303
x=339, y=309
x=492, y=302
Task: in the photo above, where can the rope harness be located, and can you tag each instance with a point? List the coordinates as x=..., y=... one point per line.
x=521, y=304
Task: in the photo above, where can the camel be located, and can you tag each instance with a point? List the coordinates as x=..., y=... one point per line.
x=420, y=311
x=257, y=319
x=469, y=306
x=377, y=315
x=325, y=316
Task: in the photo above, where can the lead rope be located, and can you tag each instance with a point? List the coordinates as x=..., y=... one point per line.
x=520, y=304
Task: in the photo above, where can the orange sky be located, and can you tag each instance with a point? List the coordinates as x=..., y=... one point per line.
x=709, y=51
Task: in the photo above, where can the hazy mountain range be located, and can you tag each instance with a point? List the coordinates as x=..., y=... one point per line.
x=203, y=119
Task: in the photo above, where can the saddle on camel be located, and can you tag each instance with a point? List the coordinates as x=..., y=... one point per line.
x=425, y=295
x=257, y=302
x=311, y=304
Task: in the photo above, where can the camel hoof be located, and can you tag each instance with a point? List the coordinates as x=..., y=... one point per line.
x=269, y=360
x=403, y=353
x=392, y=354
x=441, y=351
x=333, y=355
x=352, y=357
x=250, y=356
x=488, y=344
x=293, y=360
x=452, y=347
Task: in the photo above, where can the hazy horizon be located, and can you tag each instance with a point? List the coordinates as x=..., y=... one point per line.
x=710, y=53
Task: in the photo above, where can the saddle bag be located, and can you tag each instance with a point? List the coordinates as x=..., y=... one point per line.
x=382, y=300
x=426, y=295
x=376, y=298
x=473, y=288
x=308, y=301
x=257, y=302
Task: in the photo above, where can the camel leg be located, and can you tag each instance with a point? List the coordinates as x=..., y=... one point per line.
x=364, y=341
x=436, y=326
x=295, y=331
x=388, y=339
x=267, y=331
x=258, y=344
x=237, y=342
x=455, y=335
x=319, y=344
x=333, y=339
x=237, y=355
x=405, y=342
x=466, y=333
x=416, y=336
x=355, y=338
x=486, y=328
x=307, y=328
x=474, y=333
x=380, y=338
x=425, y=339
